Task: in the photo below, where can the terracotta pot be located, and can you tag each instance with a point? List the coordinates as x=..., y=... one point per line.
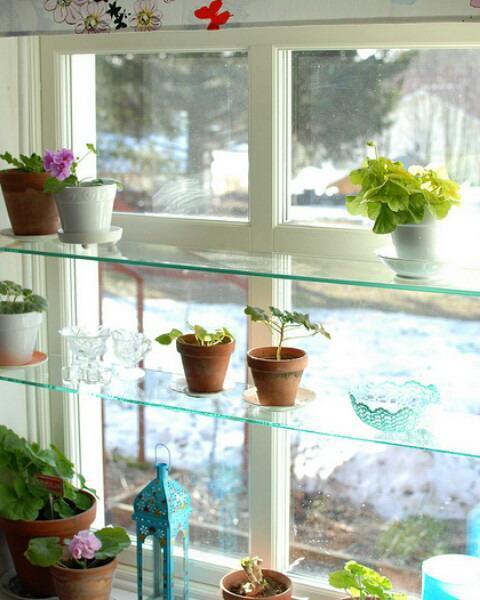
x=277, y=381
x=30, y=210
x=205, y=366
x=235, y=578
x=37, y=580
x=84, y=584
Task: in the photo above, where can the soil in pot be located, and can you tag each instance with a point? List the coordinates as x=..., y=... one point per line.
x=84, y=584
x=30, y=210
x=205, y=367
x=230, y=585
x=277, y=381
x=37, y=580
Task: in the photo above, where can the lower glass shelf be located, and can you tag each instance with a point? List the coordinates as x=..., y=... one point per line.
x=330, y=413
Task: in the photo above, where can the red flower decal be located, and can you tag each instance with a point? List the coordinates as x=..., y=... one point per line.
x=212, y=12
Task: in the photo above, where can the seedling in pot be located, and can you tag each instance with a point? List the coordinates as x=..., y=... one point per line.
x=364, y=583
x=255, y=582
x=203, y=337
x=24, y=163
x=282, y=322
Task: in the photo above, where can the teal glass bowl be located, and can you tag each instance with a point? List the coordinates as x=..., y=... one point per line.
x=392, y=406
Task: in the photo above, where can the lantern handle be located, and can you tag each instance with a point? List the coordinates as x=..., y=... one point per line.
x=160, y=445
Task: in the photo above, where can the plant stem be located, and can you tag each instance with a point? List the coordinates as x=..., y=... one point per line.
x=280, y=342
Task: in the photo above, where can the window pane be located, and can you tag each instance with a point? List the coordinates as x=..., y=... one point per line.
x=209, y=456
x=418, y=105
x=173, y=129
x=389, y=507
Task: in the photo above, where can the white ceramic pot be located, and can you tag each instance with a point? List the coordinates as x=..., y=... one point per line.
x=416, y=241
x=86, y=209
x=18, y=336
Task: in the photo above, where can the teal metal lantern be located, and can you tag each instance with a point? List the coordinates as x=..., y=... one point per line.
x=162, y=511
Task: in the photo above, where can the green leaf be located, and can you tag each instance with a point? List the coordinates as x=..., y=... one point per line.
x=256, y=314
x=341, y=580
x=91, y=148
x=114, y=540
x=167, y=338
x=44, y=552
x=63, y=508
x=386, y=221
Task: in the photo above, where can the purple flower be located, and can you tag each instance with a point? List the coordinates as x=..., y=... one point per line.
x=58, y=164
x=84, y=545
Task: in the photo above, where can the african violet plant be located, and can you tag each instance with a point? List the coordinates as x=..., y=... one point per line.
x=364, y=583
x=392, y=195
x=203, y=337
x=86, y=550
x=281, y=322
x=16, y=300
x=36, y=483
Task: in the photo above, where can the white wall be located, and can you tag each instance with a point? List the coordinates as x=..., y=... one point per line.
x=12, y=398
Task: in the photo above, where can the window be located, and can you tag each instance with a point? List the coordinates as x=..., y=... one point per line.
x=295, y=106
x=418, y=105
x=173, y=128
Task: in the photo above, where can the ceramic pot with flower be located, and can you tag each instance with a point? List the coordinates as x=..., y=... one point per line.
x=82, y=568
x=85, y=206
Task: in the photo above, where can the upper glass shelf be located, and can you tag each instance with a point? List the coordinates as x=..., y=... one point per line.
x=439, y=430
x=456, y=280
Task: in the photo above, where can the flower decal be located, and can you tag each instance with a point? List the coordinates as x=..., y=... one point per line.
x=147, y=16
x=93, y=18
x=212, y=12
x=64, y=11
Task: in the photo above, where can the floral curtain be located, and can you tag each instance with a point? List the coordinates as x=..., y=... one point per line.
x=19, y=17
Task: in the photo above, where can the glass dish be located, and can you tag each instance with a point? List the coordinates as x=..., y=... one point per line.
x=87, y=346
x=130, y=347
x=392, y=406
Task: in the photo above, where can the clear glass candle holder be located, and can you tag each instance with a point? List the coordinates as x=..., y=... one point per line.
x=130, y=347
x=87, y=346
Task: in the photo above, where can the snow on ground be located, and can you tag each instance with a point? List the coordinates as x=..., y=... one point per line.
x=366, y=343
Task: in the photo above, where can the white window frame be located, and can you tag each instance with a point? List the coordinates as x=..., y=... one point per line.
x=269, y=102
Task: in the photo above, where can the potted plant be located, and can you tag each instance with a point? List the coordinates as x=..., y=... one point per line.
x=403, y=202
x=82, y=567
x=277, y=370
x=86, y=205
x=38, y=499
x=31, y=210
x=20, y=319
x=205, y=356
x=364, y=583
x=254, y=582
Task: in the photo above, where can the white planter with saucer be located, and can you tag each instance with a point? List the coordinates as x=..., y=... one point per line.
x=416, y=241
x=86, y=214
x=18, y=336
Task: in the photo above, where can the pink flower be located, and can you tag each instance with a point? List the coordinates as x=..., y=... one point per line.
x=93, y=19
x=147, y=16
x=58, y=164
x=84, y=545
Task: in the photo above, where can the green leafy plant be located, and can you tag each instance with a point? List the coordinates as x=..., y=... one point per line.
x=203, y=337
x=281, y=322
x=362, y=582
x=36, y=483
x=391, y=195
x=85, y=551
x=16, y=300
x=24, y=163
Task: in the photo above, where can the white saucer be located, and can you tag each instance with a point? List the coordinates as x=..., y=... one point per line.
x=180, y=385
x=304, y=398
x=38, y=358
x=410, y=269
x=28, y=238
x=95, y=237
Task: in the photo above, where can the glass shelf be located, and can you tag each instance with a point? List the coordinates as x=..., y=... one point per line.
x=330, y=414
x=457, y=280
